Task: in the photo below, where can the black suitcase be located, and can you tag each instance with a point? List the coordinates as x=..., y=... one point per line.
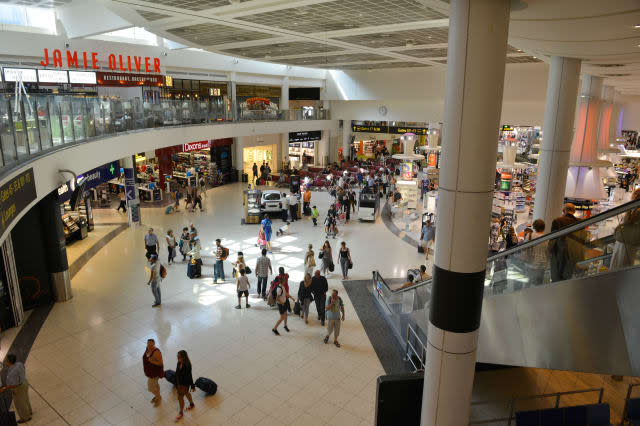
x=170, y=375
x=296, y=308
x=194, y=270
x=208, y=386
x=307, y=211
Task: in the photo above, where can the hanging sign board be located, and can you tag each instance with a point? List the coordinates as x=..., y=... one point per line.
x=81, y=77
x=26, y=75
x=195, y=146
x=120, y=79
x=315, y=135
x=52, y=76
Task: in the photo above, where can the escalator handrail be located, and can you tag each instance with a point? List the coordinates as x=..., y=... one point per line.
x=623, y=208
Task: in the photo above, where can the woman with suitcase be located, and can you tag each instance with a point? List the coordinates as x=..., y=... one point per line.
x=184, y=382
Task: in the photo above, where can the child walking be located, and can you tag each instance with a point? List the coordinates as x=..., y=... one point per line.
x=314, y=215
x=242, y=286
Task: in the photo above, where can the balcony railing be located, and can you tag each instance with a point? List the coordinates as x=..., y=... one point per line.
x=41, y=123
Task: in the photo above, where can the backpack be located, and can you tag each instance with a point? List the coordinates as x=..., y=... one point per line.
x=225, y=253
x=163, y=271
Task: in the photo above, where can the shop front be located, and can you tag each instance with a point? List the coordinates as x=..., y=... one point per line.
x=259, y=155
x=375, y=138
x=257, y=102
x=303, y=148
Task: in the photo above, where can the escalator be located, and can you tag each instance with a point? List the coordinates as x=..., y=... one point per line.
x=569, y=300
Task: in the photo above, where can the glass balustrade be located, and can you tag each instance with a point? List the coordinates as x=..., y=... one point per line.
x=41, y=122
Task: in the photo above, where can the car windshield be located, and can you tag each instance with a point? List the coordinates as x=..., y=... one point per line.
x=368, y=204
x=272, y=197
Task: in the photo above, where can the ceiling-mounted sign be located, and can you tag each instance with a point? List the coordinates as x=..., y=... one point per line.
x=315, y=135
x=507, y=128
x=195, y=146
x=403, y=130
x=15, y=196
x=369, y=129
x=82, y=77
x=52, y=76
x=393, y=130
x=91, y=60
x=26, y=75
x=120, y=79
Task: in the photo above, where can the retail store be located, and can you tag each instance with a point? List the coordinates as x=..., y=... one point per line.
x=374, y=138
x=303, y=149
x=257, y=102
x=259, y=149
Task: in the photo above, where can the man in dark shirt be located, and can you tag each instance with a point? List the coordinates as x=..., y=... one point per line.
x=319, y=288
x=568, y=250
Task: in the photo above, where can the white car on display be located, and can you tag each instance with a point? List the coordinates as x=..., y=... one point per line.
x=368, y=206
x=270, y=202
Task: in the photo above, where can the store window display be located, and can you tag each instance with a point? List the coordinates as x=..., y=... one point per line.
x=260, y=155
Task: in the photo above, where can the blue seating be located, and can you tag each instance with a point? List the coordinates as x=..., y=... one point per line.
x=552, y=417
x=633, y=410
x=582, y=415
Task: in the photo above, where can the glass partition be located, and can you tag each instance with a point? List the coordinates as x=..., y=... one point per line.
x=44, y=123
x=55, y=117
x=9, y=154
x=67, y=120
x=20, y=128
x=30, y=119
x=80, y=126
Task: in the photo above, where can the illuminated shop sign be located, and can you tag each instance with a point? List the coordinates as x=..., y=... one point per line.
x=315, y=135
x=507, y=128
x=52, y=76
x=394, y=130
x=25, y=75
x=195, y=146
x=370, y=129
x=86, y=60
x=403, y=130
x=80, y=77
x=119, y=79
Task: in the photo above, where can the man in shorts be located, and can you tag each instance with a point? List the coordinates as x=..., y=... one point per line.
x=153, y=369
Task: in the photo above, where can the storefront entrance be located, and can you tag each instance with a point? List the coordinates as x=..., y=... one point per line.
x=258, y=154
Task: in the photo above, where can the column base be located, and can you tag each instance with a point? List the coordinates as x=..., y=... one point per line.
x=61, y=285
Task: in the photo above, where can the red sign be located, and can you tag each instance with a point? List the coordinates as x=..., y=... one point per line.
x=120, y=79
x=195, y=146
x=86, y=60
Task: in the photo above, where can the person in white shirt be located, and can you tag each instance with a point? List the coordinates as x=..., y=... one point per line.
x=293, y=206
x=285, y=207
x=242, y=286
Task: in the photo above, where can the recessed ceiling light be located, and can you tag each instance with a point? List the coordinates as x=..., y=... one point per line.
x=519, y=50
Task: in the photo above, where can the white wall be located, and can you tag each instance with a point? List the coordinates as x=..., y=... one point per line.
x=417, y=94
x=86, y=156
x=630, y=112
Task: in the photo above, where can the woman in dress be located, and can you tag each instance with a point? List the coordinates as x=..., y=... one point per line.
x=327, y=258
x=184, y=381
x=304, y=297
x=345, y=259
x=309, y=261
x=171, y=245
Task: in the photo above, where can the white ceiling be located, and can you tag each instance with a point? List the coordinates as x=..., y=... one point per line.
x=374, y=34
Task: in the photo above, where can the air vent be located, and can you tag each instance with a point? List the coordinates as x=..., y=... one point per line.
x=608, y=65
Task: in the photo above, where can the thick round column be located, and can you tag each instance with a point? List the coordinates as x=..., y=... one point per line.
x=131, y=190
x=284, y=94
x=346, y=139
x=323, y=148
x=56, y=246
x=559, y=114
x=478, y=32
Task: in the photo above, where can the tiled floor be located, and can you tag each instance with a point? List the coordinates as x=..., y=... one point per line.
x=85, y=365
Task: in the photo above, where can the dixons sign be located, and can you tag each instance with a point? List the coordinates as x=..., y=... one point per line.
x=75, y=59
x=195, y=146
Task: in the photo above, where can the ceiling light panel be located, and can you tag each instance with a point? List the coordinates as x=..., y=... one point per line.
x=521, y=59
x=399, y=38
x=426, y=53
x=37, y=3
x=345, y=14
x=211, y=34
x=151, y=16
x=282, y=49
x=335, y=59
x=193, y=4
x=382, y=66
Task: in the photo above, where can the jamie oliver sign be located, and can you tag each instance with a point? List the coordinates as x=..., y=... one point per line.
x=86, y=60
x=15, y=196
x=120, y=79
x=195, y=146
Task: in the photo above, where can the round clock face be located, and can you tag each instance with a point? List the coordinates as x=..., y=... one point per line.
x=382, y=110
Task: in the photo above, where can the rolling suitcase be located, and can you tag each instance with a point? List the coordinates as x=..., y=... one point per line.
x=208, y=386
x=170, y=375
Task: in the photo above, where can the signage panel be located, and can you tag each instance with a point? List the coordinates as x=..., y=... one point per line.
x=91, y=60
x=369, y=129
x=195, y=146
x=314, y=135
x=82, y=77
x=15, y=196
x=120, y=79
x=27, y=75
x=52, y=76
x=394, y=130
x=402, y=130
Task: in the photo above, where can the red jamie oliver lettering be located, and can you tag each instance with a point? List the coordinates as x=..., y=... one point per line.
x=55, y=60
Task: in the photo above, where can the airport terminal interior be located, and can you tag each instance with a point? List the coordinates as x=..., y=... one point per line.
x=319, y=212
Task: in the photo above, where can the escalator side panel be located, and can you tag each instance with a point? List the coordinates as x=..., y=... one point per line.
x=577, y=324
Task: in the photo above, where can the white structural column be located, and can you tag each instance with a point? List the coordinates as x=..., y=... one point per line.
x=284, y=105
x=131, y=190
x=559, y=114
x=323, y=148
x=473, y=101
x=346, y=139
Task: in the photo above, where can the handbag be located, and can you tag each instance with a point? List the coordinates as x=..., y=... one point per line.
x=350, y=266
x=320, y=255
x=247, y=270
x=331, y=267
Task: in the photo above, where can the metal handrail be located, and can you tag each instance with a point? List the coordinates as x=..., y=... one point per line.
x=423, y=350
x=627, y=398
x=377, y=276
x=512, y=403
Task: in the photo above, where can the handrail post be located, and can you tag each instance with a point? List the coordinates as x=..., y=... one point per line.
x=406, y=349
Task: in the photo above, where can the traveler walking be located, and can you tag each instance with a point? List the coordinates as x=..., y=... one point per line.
x=242, y=287
x=305, y=297
x=221, y=256
x=155, y=279
x=151, y=243
x=197, y=201
x=184, y=243
x=265, y=228
x=194, y=267
x=153, y=369
x=184, y=382
x=285, y=207
x=17, y=383
x=345, y=260
x=627, y=242
x=566, y=251
x=319, y=288
x=306, y=201
x=309, y=261
x=282, y=297
x=123, y=202
x=203, y=187
x=293, y=206
x=238, y=264
x=314, y=215
x=326, y=255
x=536, y=258
x=255, y=173
x=171, y=246
x=263, y=269
x=428, y=237
x=335, y=314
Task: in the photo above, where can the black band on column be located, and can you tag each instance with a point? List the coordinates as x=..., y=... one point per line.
x=456, y=300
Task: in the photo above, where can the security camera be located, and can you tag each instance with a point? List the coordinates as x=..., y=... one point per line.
x=67, y=45
x=165, y=54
